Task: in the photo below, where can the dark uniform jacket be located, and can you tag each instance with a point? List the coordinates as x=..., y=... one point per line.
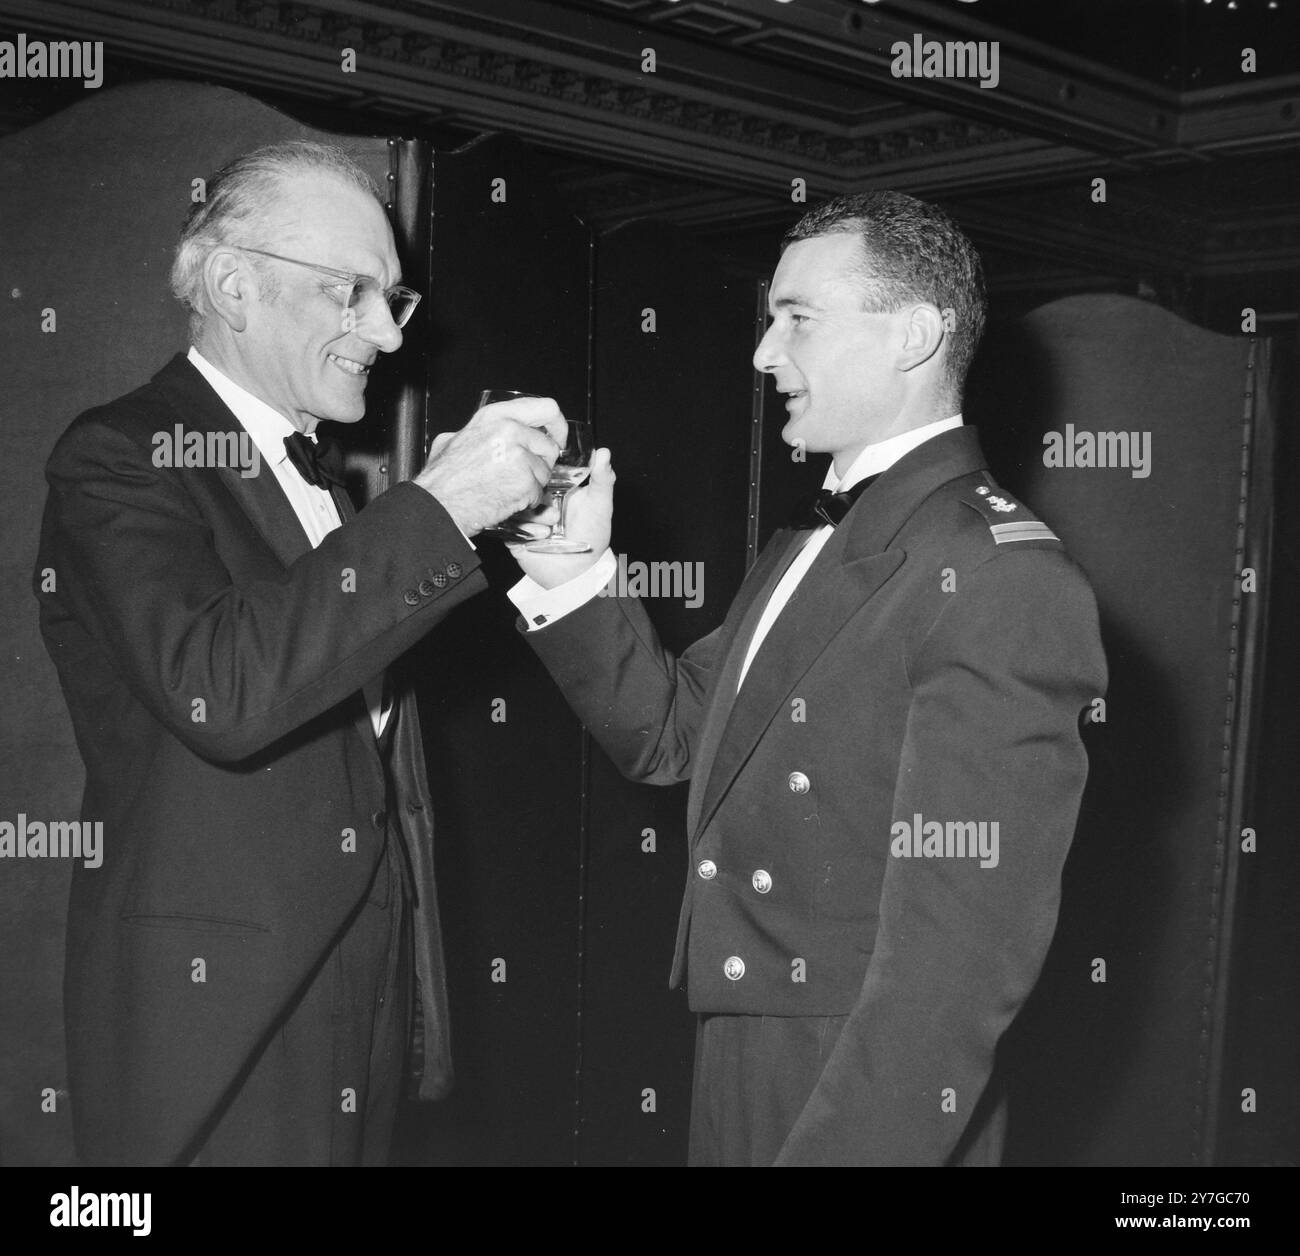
x=212, y=662
x=926, y=678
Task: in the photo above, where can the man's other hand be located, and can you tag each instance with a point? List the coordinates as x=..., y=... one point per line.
x=588, y=514
x=497, y=464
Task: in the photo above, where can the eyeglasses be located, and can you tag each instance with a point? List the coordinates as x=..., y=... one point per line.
x=358, y=292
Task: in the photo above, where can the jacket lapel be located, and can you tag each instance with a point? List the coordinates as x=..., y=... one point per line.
x=259, y=496
x=829, y=595
x=850, y=570
x=738, y=630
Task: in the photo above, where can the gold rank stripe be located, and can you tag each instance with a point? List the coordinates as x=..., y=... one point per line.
x=1028, y=530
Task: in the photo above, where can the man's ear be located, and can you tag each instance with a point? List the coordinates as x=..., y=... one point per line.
x=924, y=331
x=229, y=285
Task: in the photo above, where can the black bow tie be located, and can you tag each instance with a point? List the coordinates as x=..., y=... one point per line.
x=825, y=507
x=319, y=462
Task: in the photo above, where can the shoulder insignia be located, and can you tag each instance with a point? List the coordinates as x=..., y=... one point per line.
x=1008, y=520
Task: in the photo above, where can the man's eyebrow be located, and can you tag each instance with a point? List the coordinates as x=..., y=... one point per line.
x=784, y=303
x=370, y=274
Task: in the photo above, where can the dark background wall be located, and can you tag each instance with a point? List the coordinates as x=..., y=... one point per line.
x=542, y=845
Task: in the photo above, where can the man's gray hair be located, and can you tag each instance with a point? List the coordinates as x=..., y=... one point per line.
x=235, y=205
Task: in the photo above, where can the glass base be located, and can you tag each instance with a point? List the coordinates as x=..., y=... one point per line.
x=517, y=536
x=558, y=545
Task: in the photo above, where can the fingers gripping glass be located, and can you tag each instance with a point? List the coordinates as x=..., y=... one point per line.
x=358, y=293
x=571, y=469
x=522, y=526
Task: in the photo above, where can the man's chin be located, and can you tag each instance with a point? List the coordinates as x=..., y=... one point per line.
x=794, y=433
x=343, y=412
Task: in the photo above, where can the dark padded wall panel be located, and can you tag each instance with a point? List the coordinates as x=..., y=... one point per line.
x=508, y=308
x=90, y=204
x=673, y=405
x=1264, y=1031
x=1122, y=1072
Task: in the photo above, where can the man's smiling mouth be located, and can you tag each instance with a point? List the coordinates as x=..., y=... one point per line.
x=348, y=366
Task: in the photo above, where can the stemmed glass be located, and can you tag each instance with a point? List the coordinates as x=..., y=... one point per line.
x=569, y=471
x=515, y=528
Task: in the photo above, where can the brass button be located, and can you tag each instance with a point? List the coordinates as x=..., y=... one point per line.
x=379, y=819
x=708, y=869
x=734, y=968
x=454, y=570
x=439, y=579
x=411, y=597
x=426, y=588
x=799, y=783
x=762, y=881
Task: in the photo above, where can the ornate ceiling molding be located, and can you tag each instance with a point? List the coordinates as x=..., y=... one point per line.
x=747, y=95
x=538, y=70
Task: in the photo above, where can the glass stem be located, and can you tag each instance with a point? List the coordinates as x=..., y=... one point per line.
x=560, y=498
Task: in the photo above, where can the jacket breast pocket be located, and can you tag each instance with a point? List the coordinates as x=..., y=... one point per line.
x=192, y=924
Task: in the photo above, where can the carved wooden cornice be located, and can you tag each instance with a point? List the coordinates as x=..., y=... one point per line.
x=747, y=95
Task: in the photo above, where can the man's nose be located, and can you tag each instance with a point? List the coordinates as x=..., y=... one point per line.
x=768, y=353
x=379, y=328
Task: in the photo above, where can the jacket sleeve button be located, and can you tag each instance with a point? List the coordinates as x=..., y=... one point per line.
x=411, y=597
x=799, y=783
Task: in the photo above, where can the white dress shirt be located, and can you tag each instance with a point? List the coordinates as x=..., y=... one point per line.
x=871, y=461
x=314, y=506
x=539, y=606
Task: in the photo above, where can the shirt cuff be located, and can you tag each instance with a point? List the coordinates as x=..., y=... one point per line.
x=540, y=606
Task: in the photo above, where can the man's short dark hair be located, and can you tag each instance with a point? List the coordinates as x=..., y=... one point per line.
x=911, y=251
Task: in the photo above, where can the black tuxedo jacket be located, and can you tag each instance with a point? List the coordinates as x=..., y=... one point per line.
x=930, y=670
x=212, y=663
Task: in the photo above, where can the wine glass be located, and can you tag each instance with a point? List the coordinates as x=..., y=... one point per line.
x=569, y=471
x=517, y=527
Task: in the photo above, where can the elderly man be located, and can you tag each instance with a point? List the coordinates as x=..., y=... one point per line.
x=882, y=738
x=239, y=970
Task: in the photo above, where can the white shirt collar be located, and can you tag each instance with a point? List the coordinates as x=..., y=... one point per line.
x=883, y=454
x=267, y=427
